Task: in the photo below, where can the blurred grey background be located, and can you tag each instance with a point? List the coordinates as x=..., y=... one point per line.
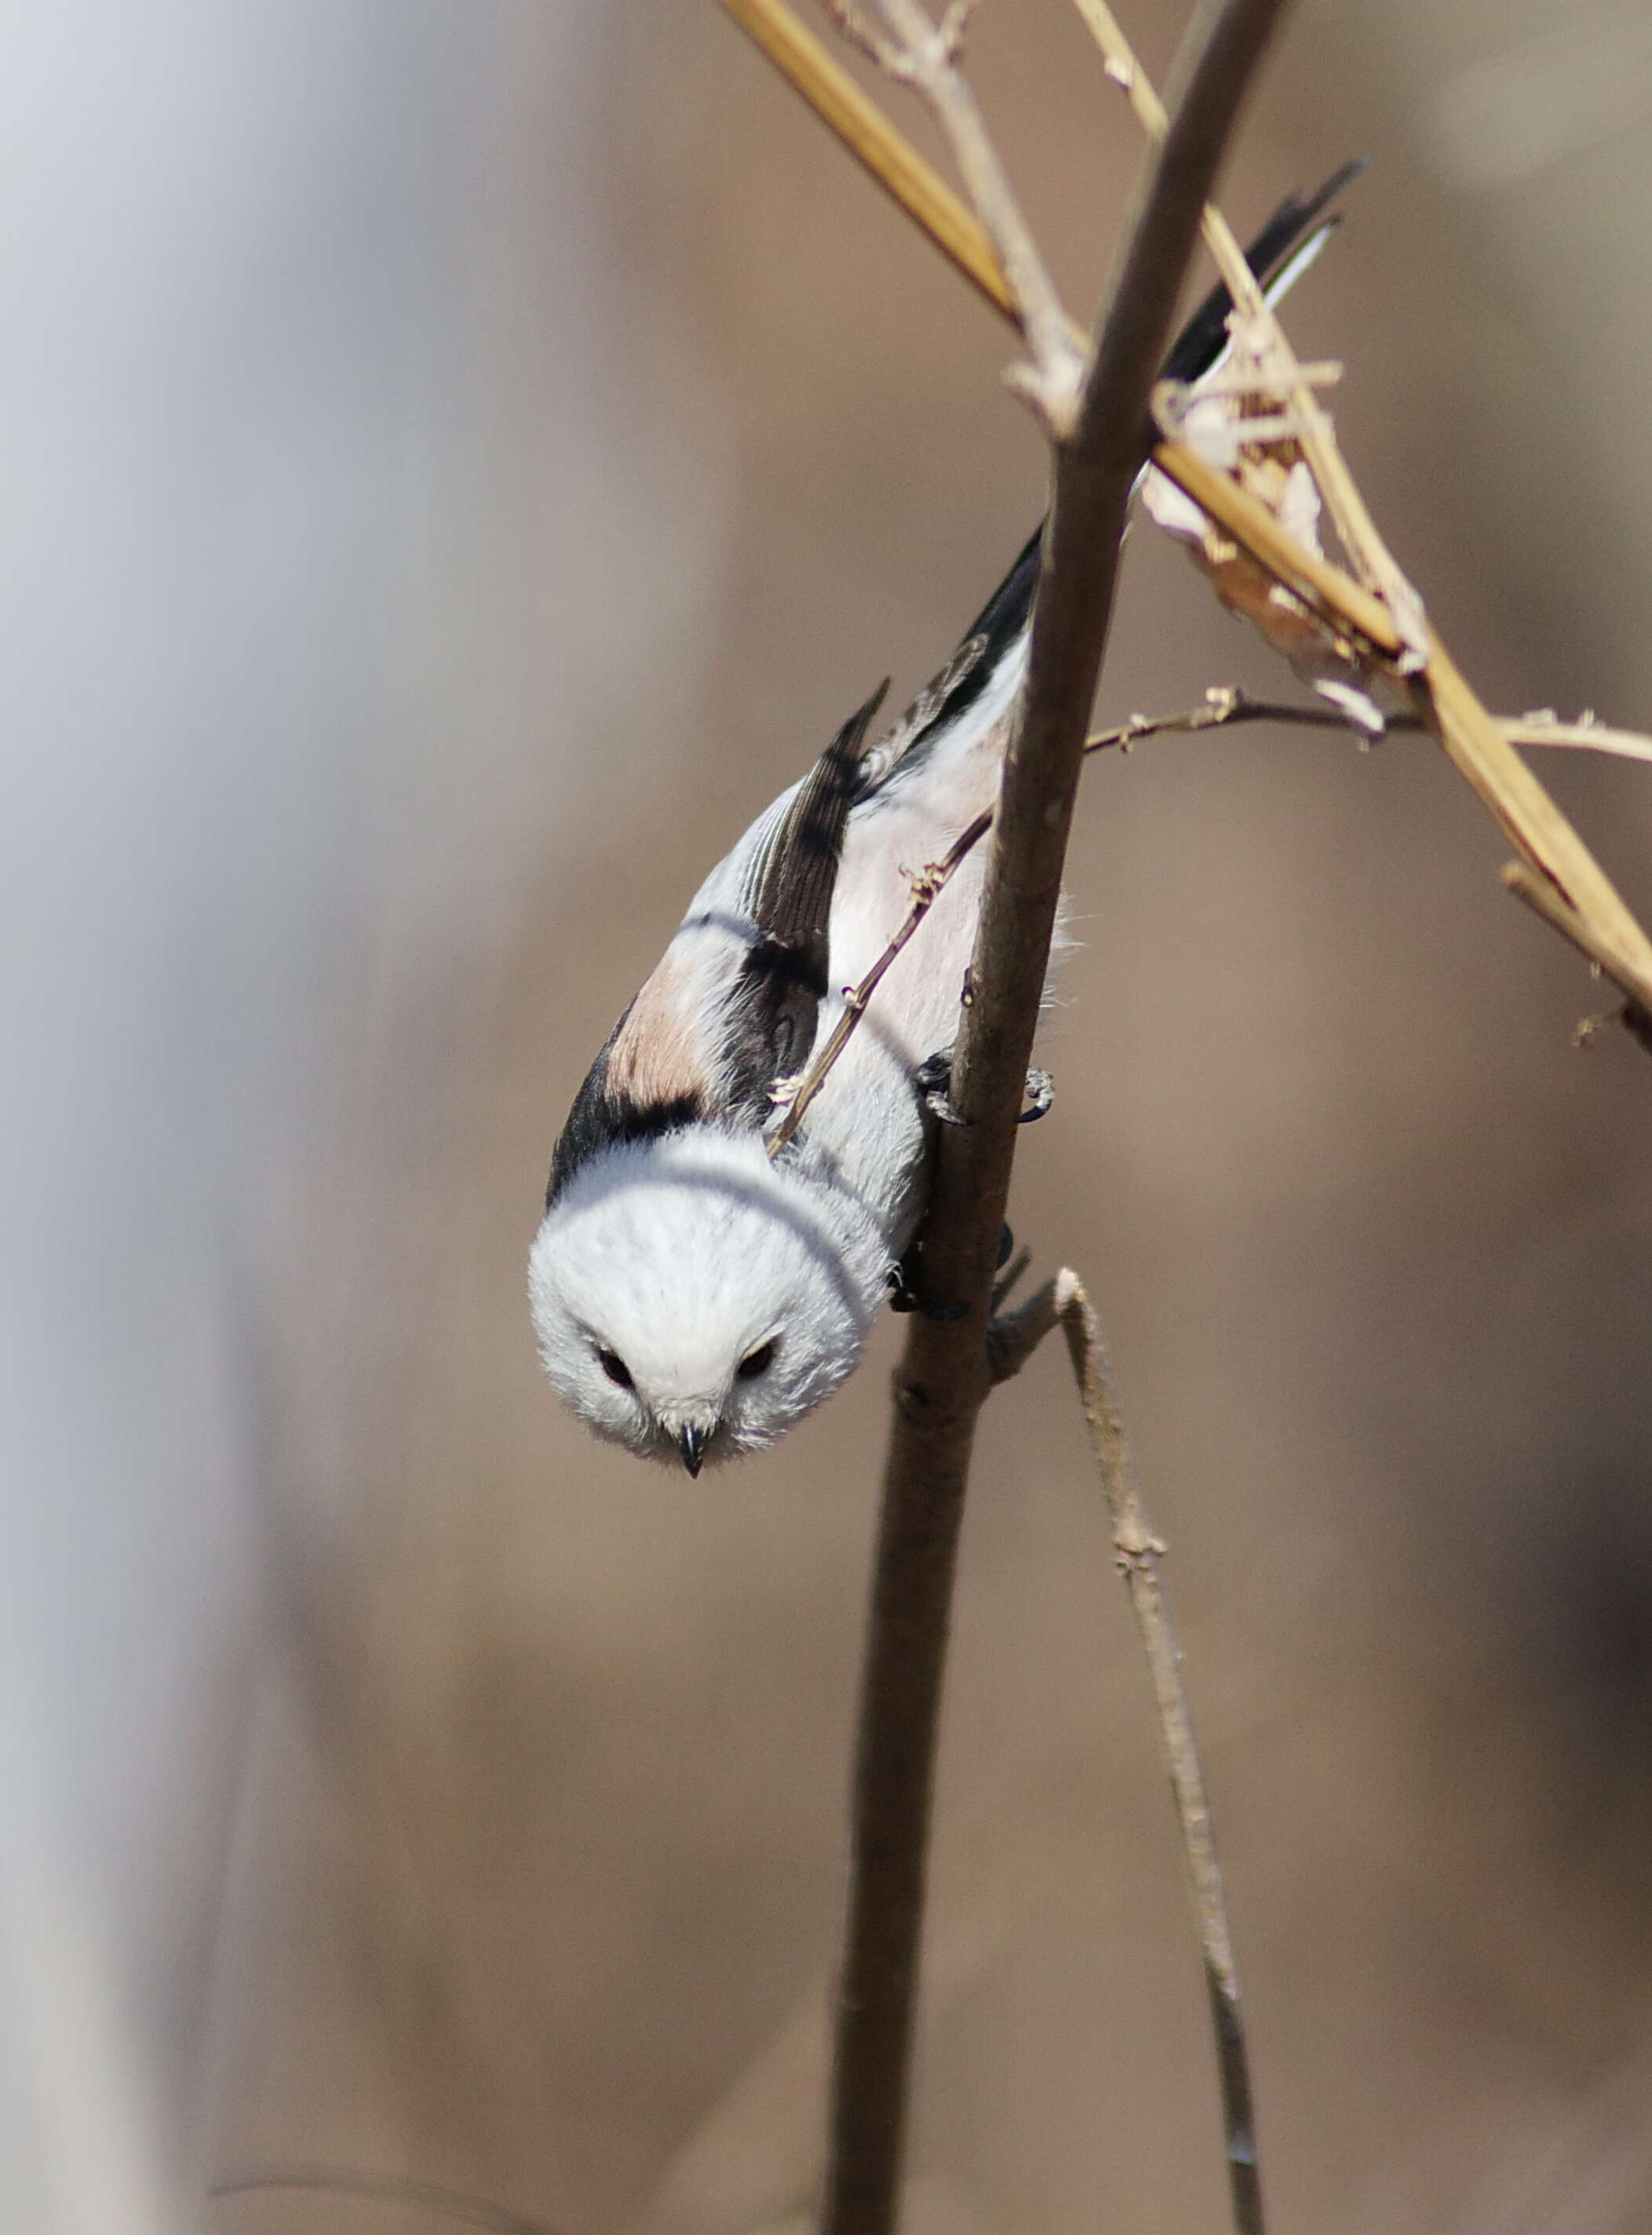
x=462, y=457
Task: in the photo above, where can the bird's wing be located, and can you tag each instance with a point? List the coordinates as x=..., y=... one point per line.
x=731, y=1005
x=770, y=1010
x=790, y=877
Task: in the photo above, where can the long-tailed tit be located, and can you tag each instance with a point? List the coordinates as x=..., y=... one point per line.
x=693, y=1296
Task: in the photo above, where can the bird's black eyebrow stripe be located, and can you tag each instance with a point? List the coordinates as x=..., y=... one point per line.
x=603, y=1125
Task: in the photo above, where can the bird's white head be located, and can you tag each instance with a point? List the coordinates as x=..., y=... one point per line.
x=694, y=1300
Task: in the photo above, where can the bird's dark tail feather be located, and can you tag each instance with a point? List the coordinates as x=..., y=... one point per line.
x=1202, y=341
x=1197, y=347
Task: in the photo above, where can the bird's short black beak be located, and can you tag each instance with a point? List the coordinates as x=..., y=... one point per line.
x=691, y=1443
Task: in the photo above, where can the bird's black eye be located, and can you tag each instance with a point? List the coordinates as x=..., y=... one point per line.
x=756, y=1361
x=615, y=1368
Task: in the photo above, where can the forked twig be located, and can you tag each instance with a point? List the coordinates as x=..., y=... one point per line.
x=1012, y=1341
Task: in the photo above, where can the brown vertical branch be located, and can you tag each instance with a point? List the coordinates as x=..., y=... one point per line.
x=945, y=1375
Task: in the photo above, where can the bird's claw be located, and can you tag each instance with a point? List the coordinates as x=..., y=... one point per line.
x=904, y=1295
x=1040, y=1093
x=933, y=1080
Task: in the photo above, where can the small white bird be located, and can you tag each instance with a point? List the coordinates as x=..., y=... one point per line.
x=694, y=1296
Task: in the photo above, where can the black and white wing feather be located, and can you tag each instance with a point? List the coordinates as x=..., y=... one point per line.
x=732, y=1006
x=769, y=1014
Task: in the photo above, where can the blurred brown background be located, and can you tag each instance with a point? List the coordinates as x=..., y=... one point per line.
x=472, y=457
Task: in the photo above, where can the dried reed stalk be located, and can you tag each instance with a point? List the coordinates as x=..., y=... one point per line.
x=1595, y=919
x=1475, y=742
x=861, y=126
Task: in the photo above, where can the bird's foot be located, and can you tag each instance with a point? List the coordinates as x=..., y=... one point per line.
x=905, y=1292
x=934, y=1081
x=1041, y=1094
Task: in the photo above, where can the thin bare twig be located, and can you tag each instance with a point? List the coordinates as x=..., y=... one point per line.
x=922, y=53
x=1223, y=709
x=1013, y=1336
x=914, y=185
x=1139, y=1552
x=945, y=1375
x=927, y=888
x=1011, y=1339
x=1587, y=736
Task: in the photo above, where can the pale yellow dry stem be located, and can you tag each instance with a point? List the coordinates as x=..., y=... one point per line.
x=1478, y=745
x=1139, y=1552
x=1583, y=736
x=875, y=144
x=923, y=53
x=1542, y=898
x=1372, y=562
